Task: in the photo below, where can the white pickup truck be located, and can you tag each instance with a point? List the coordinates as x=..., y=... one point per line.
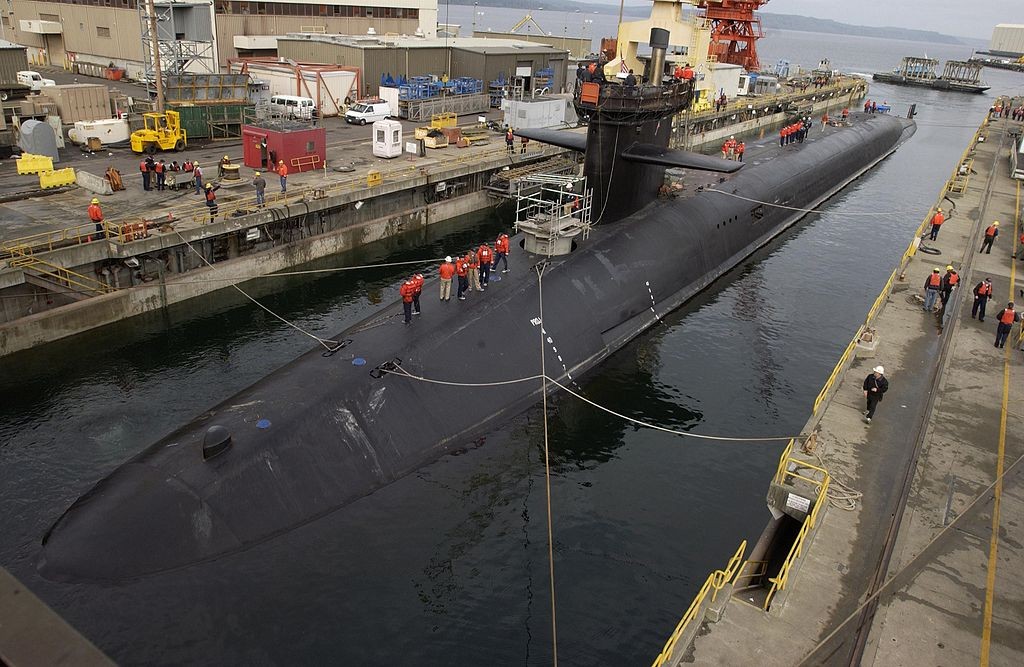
x=34, y=80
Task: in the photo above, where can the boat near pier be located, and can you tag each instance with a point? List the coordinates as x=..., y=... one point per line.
x=962, y=76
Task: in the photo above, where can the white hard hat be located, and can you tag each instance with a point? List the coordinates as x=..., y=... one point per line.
x=448, y=258
x=879, y=369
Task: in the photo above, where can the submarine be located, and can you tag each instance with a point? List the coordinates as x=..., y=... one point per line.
x=335, y=425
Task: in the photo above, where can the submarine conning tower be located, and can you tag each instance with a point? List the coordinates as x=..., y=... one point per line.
x=621, y=116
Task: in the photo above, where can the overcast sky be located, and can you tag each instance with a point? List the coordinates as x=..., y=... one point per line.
x=969, y=18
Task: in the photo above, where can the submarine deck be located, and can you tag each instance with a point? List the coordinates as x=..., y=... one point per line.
x=939, y=468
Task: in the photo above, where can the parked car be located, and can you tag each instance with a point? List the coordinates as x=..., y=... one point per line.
x=34, y=80
x=367, y=111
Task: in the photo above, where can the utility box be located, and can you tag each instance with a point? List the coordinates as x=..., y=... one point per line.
x=301, y=146
x=535, y=113
x=387, y=138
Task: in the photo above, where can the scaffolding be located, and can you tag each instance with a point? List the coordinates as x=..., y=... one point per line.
x=184, y=38
x=735, y=29
x=551, y=211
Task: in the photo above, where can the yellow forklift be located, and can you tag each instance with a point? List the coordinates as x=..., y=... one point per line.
x=162, y=131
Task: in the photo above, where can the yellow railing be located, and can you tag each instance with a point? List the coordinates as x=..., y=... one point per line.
x=61, y=275
x=836, y=371
x=715, y=582
x=780, y=580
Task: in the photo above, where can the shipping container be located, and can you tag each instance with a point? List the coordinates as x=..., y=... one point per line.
x=80, y=101
x=12, y=61
x=212, y=121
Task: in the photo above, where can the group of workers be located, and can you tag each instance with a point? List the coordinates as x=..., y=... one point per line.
x=795, y=132
x=870, y=106
x=1003, y=108
x=473, y=271
x=733, y=150
x=154, y=172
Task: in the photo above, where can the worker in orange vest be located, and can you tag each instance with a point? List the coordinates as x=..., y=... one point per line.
x=282, y=171
x=144, y=168
x=408, y=291
x=211, y=199
x=1007, y=316
x=418, y=282
x=484, y=255
x=949, y=283
x=932, y=287
x=783, y=134
x=474, y=271
x=501, y=248
x=991, y=232
x=937, y=221
x=982, y=293
x=96, y=215
x=160, y=168
x=1020, y=251
x=461, y=272
x=446, y=272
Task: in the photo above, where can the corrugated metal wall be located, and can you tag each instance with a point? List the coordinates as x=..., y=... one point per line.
x=407, y=62
x=12, y=61
x=1008, y=39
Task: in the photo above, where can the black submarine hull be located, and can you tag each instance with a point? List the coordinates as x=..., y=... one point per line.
x=322, y=432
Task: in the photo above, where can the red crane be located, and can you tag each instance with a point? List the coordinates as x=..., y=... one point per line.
x=735, y=30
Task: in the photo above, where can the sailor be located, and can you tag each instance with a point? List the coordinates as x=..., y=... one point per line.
x=407, y=290
x=418, y=283
x=144, y=168
x=991, y=232
x=211, y=199
x=580, y=73
x=446, y=272
x=932, y=287
x=282, y=171
x=96, y=215
x=949, y=283
x=687, y=73
x=501, y=246
x=846, y=114
x=522, y=144
x=160, y=168
x=782, y=136
x=484, y=255
x=937, y=221
x=867, y=106
x=197, y=176
x=174, y=166
x=224, y=161
x=740, y=149
x=875, y=386
x=462, y=271
x=260, y=185
x=1007, y=316
x=982, y=293
x=474, y=271
x=677, y=73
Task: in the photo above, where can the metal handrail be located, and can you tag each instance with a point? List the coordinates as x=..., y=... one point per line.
x=715, y=582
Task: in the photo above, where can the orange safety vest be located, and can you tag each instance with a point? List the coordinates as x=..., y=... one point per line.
x=159, y=168
x=984, y=289
x=484, y=254
x=953, y=279
x=407, y=289
x=502, y=242
x=938, y=219
x=991, y=231
x=447, y=270
x=1007, y=316
x=95, y=213
x=740, y=147
x=934, y=280
x=461, y=268
x=471, y=261
x=282, y=170
x=417, y=281
x=143, y=167
x=211, y=195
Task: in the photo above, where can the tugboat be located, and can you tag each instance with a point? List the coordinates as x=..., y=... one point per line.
x=962, y=76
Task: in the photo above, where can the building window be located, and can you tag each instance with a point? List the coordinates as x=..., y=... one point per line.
x=102, y=32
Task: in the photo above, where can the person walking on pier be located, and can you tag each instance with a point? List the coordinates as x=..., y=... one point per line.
x=982, y=293
x=197, y=176
x=949, y=283
x=407, y=290
x=932, y=287
x=991, y=232
x=160, y=168
x=474, y=271
x=211, y=199
x=446, y=272
x=96, y=215
x=484, y=255
x=1020, y=249
x=418, y=282
x=937, y=221
x=1007, y=316
x=282, y=171
x=462, y=272
x=501, y=251
x=509, y=141
x=522, y=144
x=144, y=168
x=260, y=184
x=875, y=386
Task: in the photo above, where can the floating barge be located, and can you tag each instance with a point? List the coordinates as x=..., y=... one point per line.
x=960, y=75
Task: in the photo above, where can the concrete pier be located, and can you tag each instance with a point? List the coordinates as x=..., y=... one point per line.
x=924, y=569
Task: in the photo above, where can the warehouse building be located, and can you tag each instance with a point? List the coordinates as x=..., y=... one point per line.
x=484, y=59
x=199, y=33
x=1007, y=40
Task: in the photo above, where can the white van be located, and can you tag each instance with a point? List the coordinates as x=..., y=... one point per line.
x=367, y=111
x=293, y=106
x=34, y=80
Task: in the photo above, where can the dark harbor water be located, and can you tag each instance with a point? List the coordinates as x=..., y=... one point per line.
x=448, y=566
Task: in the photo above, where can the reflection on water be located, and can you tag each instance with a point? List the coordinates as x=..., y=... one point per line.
x=449, y=565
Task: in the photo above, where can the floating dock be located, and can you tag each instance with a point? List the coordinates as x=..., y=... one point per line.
x=922, y=568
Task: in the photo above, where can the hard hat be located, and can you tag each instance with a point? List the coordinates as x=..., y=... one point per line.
x=226, y=157
x=210, y=185
x=949, y=267
x=448, y=258
x=280, y=161
x=995, y=224
x=879, y=369
x=935, y=270
x=940, y=210
x=95, y=201
x=257, y=173
x=195, y=162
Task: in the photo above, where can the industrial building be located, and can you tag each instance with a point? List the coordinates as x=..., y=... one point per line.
x=484, y=59
x=196, y=35
x=1007, y=40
